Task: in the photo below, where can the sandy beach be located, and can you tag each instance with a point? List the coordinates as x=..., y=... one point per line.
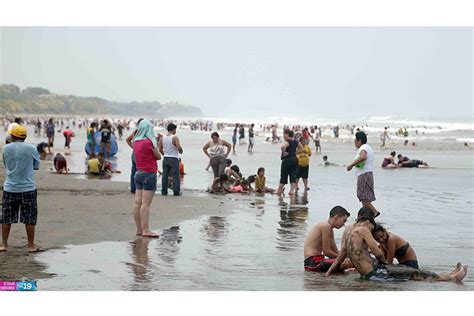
x=236, y=241
x=77, y=211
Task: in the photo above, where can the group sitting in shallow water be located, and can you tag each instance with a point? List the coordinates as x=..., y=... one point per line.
x=367, y=247
x=232, y=181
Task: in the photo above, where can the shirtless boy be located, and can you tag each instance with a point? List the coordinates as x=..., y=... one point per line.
x=356, y=247
x=320, y=248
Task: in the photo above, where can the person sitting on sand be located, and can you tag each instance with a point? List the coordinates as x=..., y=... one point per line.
x=93, y=165
x=260, y=182
x=320, y=250
x=405, y=162
x=394, y=246
x=60, y=164
x=356, y=247
x=389, y=161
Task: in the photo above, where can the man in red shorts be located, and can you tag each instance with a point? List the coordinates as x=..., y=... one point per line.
x=320, y=249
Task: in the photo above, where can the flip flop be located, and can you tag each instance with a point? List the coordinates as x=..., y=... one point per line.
x=38, y=249
x=151, y=236
x=3, y=250
x=378, y=213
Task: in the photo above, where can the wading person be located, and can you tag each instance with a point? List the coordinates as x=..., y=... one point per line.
x=289, y=162
x=106, y=131
x=215, y=149
x=170, y=148
x=19, y=190
x=364, y=163
x=146, y=154
x=302, y=170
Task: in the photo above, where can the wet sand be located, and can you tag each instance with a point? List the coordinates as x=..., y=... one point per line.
x=76, y=211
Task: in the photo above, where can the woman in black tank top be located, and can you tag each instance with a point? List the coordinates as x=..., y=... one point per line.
x=289, y=163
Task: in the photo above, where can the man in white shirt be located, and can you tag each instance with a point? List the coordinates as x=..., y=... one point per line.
x=364, y=163
x=170, y=148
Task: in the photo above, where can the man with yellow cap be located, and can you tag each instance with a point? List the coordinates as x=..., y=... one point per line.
x=19, y=190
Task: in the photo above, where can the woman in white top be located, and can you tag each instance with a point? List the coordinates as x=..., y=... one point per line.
x=215, y=150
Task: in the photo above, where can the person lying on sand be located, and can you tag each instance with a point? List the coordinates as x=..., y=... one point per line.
x=405, y=162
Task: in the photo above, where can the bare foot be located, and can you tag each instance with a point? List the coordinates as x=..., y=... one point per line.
x=150, y=235
x=36, y=249
x=460, y=274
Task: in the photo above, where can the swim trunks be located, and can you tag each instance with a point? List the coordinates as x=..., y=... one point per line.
x=391, y=273
x=318, y=263
x=411, y=263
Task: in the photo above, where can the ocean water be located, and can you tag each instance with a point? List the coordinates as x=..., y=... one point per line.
x=259, y=246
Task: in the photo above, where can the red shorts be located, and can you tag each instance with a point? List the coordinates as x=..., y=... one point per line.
x=318, y=263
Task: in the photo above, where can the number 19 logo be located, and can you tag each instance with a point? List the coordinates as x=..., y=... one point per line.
x=26, y=286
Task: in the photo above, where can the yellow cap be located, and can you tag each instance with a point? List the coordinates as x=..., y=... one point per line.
x=19, y=132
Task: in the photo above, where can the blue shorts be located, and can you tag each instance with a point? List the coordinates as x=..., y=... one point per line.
x=145, y=180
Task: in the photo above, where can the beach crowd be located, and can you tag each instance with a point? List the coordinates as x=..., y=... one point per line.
x=366, y=246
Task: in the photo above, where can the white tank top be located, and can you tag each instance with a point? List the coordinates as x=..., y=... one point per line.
x=216, y=150
x=169, y=149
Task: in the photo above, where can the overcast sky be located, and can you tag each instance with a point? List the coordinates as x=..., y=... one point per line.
x=243, y=71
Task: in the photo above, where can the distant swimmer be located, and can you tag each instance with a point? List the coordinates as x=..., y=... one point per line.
x=320, y=250
x=326, y=162
x=358, y=245
x=405, y=162
x=389, y=161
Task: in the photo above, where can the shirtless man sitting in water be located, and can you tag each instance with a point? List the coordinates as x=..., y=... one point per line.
x=357, y=245
x=320, y=248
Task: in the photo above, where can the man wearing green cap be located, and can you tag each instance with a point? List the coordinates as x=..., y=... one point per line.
x=19, y=190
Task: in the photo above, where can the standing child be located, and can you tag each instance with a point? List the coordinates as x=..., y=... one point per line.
x=302, y=171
